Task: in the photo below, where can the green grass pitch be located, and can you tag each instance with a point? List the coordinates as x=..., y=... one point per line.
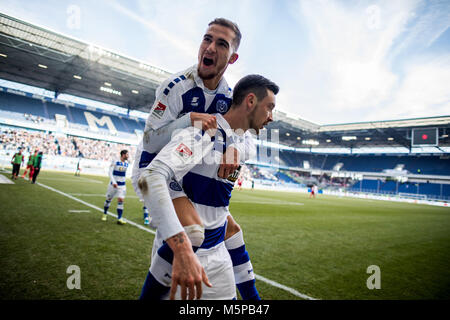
x=320, y=247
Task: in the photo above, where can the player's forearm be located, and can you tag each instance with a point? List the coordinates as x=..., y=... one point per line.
x=155, y=140
x=111, y=176
x=153, y=185
x=179, y=243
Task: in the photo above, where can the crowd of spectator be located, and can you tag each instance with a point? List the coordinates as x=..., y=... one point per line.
x=68, y=146
x=72, y=146
x=33, y=118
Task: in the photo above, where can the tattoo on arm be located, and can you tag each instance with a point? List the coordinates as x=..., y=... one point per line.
x=178, y=238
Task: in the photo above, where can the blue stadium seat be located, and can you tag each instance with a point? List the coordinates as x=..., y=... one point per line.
x=20, y=104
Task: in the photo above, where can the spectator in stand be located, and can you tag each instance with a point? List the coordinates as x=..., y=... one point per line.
x=84, y=147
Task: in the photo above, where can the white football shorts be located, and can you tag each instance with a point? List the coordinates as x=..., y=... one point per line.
x=118, y=192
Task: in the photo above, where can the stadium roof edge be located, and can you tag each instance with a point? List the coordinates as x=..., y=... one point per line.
x=60, y=34
x=412, y=122
x=363, y=125
x=39, y=57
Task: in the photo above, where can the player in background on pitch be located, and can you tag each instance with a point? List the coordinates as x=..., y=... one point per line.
x=78, y=169
x=191, y=97
x=16, y=161
x=30, y=165
x=117, y=186
x=134, y=174
x=37, y=165
x=239, y=182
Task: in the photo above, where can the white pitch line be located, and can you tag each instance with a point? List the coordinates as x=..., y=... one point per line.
x=94, y=207
x=72, y=180
x=258, y=277
x=283, y=287
x=76, y=211
x=97, y=195
x=5, y=180
x=281, y=203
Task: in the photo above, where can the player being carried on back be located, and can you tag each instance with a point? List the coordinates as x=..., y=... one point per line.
x=188, y=98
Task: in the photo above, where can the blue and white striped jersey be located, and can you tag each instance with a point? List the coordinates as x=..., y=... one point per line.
x=194, y=159
x=117, y=172
x=175, y=99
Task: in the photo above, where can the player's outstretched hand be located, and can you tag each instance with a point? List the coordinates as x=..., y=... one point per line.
x=208, y=121
x=230, y=163
x=187, y=272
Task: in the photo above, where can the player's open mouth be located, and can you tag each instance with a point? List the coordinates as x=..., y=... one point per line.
x=208, y=62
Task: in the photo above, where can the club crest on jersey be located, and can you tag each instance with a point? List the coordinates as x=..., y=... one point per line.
x=175, y=186
x=158, y=112
x=221, y=106
x=183, y=151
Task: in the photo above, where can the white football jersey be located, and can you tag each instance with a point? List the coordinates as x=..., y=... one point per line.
x=194, y=159
x=175, y=99
x=117, y=172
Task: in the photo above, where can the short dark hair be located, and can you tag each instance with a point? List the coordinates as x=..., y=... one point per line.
x=233, y=26
x=253, y=83
x=123, y=152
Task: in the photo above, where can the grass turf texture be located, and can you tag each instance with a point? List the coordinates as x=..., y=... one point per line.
x=320, y=247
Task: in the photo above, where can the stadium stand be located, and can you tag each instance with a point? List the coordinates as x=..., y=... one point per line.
x=65, y=129
x=368, y=163
x=76, y=115
x=290, y=169
x=12, y=139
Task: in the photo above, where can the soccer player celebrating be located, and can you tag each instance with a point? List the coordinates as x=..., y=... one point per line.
x=191, y=96
x=117, y=186
x=186, y=161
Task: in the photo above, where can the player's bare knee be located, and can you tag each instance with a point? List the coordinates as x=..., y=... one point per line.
x=196, y=234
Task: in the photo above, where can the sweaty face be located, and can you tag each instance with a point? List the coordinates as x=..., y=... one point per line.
x=262, y=113
x=215, y=52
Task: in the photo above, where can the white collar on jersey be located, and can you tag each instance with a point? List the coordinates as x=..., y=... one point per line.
x=221, y=122
x=192, y=71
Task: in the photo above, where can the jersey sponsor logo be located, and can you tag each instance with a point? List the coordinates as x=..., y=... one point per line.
x=194, y=101
x=183, y=151
x=221, y=106
x=175, y=186
x=158, y=112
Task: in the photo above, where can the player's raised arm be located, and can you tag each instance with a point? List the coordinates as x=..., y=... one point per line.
x=164, y=118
